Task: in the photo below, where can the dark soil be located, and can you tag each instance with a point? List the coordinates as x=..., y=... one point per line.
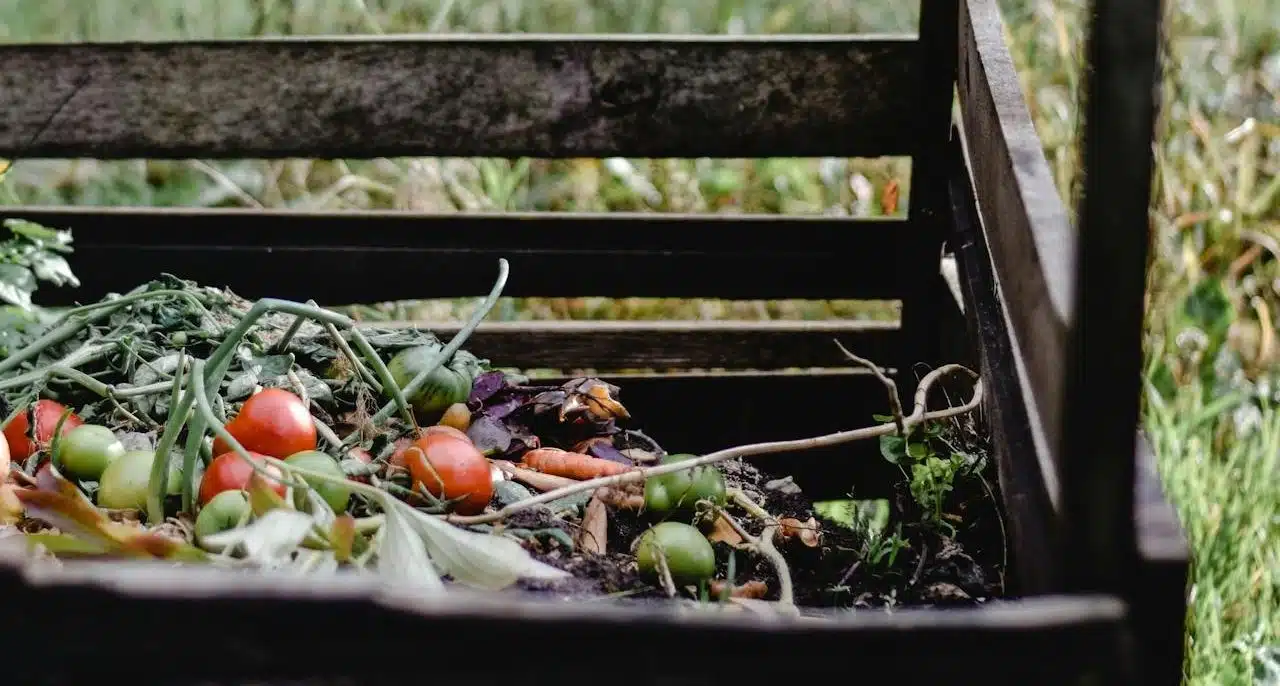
x=935, y=566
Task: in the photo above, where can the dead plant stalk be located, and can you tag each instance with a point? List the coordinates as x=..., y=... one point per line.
x=918, y=415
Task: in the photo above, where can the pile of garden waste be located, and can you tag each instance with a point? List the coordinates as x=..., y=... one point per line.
x=181, y=422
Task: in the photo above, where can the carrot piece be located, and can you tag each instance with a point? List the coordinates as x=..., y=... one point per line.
x=571, y=465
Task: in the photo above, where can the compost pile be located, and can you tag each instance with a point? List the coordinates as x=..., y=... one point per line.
x=184, y=423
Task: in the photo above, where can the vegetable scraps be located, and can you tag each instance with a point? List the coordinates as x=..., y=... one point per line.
x=181, y=422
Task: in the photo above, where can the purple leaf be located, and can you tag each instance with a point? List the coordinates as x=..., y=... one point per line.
x=503, y=408
x=493, y=437
x=486, y=385
x=605, y=451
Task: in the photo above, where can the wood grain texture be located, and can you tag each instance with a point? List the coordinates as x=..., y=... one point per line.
x=275, y=615
x=925, y=301
x=1024, y=471
x=361, y=257
x=501, y=96
x=672, y=345
x=1032, y=244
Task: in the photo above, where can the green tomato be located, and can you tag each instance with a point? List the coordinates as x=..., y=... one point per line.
x=225, y=511
x=689, y=555
x=125, y=481
x=450, y=383
x=316, y=461
x=85, y=451
x=678, y=492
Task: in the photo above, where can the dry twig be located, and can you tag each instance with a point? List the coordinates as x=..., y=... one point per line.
x=764, y=544
x=919, y=414
x=895, y=402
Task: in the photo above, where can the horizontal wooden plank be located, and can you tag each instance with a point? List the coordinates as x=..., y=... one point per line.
x=360, y=257
x=501, y=96
x=1031, y=242
x=662, y=345
x=1053, y=640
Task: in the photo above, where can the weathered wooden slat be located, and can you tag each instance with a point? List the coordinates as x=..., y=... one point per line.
x=494, y=95
x=925, y=300
x=1103, y=493
x=355, y=257
x=1031, y=242
x=1164, y=562
x=663, y=345
x=1025, y=472
x=276, y=614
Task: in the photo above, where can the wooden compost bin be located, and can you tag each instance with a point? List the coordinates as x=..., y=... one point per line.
x=1049, y=313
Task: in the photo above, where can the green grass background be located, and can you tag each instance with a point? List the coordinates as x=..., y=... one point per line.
x=1212, y=350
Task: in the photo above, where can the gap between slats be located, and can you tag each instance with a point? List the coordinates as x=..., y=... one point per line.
x=673, y=345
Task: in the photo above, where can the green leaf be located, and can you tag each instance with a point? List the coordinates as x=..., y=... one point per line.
x=269, y=540
x=893, y=448
x=54, y=269
x=42, y=236
x=918, y=451
x=842, y=512
x=402, y=554
x=17, y=283
x=487, y=561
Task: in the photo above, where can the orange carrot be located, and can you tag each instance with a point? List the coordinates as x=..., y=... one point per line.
x=571, y=465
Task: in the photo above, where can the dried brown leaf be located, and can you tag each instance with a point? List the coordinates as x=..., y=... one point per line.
x=754, y=589
x=601, y=401
x=71, y=512
x=889, y=197
x=723, y=532
x=808, y=533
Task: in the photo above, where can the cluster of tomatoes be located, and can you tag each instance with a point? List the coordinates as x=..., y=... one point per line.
x=272, y=423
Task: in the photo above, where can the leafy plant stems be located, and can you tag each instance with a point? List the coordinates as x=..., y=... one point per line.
x=55, y=441
x=84, y=354
x=179, y=408
x=70, y=323
x=454, y=344
x=18, y=409
x=350, y=354
x=283, y=343
x=389, y=385
x=195, y=436
x=220, y=361
x=918, y=415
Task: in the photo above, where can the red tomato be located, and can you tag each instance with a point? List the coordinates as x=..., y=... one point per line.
x=397, y=457
x=46, y=414
x=272, y=422
x=229, y=472
x=447, y=431
x=460, y=468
